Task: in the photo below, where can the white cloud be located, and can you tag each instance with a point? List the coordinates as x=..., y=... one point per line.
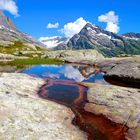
x=112, y=27
x=50, y=25
x=71, y=73
x=73, y=28
x=10, y=6
x=112, y=21
x=109, y=17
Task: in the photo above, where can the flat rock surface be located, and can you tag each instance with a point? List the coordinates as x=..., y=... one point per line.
x=80, y=56
x=119, y=104
x=25, y=116
x=128, y=72
x=122, y=70
x=10, y=57
x=6, y=56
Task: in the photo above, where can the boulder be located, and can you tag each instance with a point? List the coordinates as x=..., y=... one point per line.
x=128, y=73
x=80, y=56
x=119, y=104
x=24, y=115
x=118, y=71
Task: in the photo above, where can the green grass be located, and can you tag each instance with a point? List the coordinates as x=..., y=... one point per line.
x=33, y=61
x=18, y=49
x=11, y=49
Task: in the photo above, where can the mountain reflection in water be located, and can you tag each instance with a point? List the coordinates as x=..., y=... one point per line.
x=77, y=73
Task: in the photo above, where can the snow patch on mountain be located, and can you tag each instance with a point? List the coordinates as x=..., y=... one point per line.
x=54, y=41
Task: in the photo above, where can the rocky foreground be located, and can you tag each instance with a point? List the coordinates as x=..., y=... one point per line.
x=119, y=104
x=111, y=110
x=25, y=116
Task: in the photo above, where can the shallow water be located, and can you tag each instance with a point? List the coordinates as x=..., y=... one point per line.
x=65, y=84
x=77, y=73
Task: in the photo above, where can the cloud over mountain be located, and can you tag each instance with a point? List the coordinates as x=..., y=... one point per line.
x=112, y=21
x=10, y=6
x=73, y=28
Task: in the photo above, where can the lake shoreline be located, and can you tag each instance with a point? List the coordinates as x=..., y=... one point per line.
x=121, y=126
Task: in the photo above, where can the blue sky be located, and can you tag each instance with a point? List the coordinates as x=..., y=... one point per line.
x=35, y=15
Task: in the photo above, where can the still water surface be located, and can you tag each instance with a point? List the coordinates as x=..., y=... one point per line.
x=77, y=73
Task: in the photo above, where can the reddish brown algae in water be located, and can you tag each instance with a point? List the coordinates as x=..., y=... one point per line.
x=73, y=95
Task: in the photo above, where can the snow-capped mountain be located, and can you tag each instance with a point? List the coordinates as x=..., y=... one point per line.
x=54, y=41
x=107, y=43
x=132, y=35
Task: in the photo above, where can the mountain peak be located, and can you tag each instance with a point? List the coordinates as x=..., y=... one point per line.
x=107, y=43
x=90, y=25
x=5, y=22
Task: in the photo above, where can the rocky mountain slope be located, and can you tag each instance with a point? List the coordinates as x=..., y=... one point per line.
x=105, y=42
x=9, y=33
x=132, y=35
x=15, y=43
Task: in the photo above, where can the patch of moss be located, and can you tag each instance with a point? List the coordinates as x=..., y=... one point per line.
x=12, y=48
x=20, y=49
x=33, y=61
x=38, y=48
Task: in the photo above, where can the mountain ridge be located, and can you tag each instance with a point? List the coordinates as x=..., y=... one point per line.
x=9, y=33
x=6, y=22
x=107, y=43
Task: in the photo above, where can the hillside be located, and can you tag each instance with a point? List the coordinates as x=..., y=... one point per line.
x=13, y=41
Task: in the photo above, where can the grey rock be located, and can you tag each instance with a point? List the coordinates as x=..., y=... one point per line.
x=25, y=116
x=4, y=57
x=80, y=56
x=10, y=57
x=123, y=70
x=128, y=72
x=119, y=104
